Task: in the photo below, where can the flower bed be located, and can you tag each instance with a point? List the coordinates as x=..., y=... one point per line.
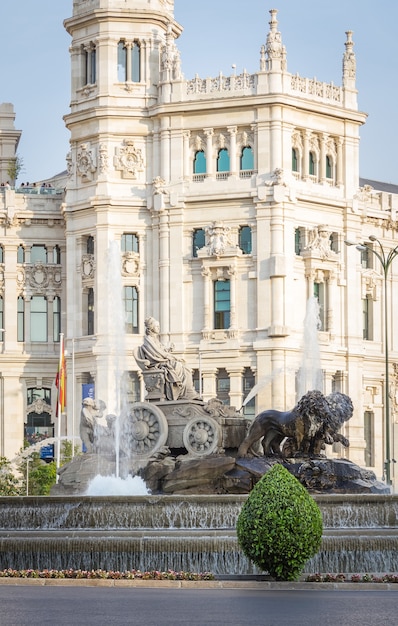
x=354, y=578
x=104, y=575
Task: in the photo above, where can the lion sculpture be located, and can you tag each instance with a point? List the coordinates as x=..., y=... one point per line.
x=304, y=431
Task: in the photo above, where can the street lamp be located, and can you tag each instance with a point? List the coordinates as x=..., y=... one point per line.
x=385, y=258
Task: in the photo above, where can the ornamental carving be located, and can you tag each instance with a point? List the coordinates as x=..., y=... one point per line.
x=129, y=160
x=39, y=407
x=319, y=243
x=217, y=238
x=38, y=277
x=130, y=264
x=87, y=267
x=85, y=163
x=103, y=158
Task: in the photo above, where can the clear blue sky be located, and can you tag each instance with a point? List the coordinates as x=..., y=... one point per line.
x=35, y=77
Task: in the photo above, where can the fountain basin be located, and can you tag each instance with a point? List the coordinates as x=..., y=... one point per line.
x=191, y=533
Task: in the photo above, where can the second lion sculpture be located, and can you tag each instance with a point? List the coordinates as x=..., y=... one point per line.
x=303, y=431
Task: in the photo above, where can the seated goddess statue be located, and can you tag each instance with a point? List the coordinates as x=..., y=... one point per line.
x=153, y=354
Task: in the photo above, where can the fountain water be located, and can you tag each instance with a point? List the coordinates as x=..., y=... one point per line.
x=310, y=372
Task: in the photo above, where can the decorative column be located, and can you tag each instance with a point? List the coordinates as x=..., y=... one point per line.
x=322, y=164
x=187, y=171
x=233, y=321
x=206, y=298
x=236, y=387
x=209, y=132
x=209, y=388
x=339, y=163
x=128, y=45
x=165, y=149
x=164, y=266
x=232, y=156
x=306, y=154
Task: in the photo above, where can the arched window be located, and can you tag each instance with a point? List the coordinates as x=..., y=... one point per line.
x=129, y=242
x=198, y=240
x=223, y=161
x=90, y=64
x=199, y=162
x=294, y=160
x=21, y=254
x=121, y=62
x=247, y=159
x=136, y=62
x=38, y=254
x=90, y=245
x=311, y=164
x=56, y=318
x=130, y=297
x=223, y=386
x=329, y=169
x=222, y=304
x=21, y=319
x=56, y=255
x=38, y=319
x=245, y=239
x=128, y=62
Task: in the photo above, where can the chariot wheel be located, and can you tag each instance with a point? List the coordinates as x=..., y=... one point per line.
x=202, y=436
x=144, y=430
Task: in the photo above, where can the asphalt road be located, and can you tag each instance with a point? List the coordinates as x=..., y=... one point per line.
x=61, y=606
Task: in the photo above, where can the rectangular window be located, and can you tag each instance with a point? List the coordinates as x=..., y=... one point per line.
x=130, y=296
x=369, y=438
x=245, y=239
x=21, y=319
x=38, y=319
x=320, y=295
x=90, y=312
x=56, y=318
x=222, y=304
x=223, y=386
x=366, y=258
x=38, y=254
x=367, y=317
x=129, y=242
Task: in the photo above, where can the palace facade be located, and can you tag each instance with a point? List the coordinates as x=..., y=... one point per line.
x=231, y=199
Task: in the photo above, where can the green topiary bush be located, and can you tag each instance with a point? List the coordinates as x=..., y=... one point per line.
x=280, y=526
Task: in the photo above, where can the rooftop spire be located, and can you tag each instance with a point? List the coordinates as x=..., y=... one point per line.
x=349, y=62
x=275, y=52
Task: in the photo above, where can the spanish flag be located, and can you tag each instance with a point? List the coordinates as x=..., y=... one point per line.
x=60, y=380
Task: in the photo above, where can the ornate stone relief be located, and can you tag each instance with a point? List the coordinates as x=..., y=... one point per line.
x=87, y=267
x=40, y=277
x=131, y=264
x=85, y=163
x=370, y=284
x=319, y=244
x=129, y=160
x=39, y=406
x=103, y=158
x=218, y=238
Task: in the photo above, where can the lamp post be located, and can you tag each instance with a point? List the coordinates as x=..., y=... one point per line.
x=385, y=258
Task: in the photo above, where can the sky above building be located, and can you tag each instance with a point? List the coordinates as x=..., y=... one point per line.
x=219, y=35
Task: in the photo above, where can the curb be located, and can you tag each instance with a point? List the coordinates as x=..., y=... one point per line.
x=194, y=584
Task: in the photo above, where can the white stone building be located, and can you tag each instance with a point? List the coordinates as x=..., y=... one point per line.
x=231, y=199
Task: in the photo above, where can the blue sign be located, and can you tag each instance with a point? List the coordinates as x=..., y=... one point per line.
x=47, y=452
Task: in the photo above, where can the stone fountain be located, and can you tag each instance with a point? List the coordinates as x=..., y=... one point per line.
x=198, y=460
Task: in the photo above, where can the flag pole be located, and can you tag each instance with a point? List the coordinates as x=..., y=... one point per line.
x=61, y=374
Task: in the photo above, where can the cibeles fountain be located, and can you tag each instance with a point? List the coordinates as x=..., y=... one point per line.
x=191, y=465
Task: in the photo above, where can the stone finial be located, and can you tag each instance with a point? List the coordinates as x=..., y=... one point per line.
x=349, y=62
x=275, y=52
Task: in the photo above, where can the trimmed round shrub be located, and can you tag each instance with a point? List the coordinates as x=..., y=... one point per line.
x=280, y=526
